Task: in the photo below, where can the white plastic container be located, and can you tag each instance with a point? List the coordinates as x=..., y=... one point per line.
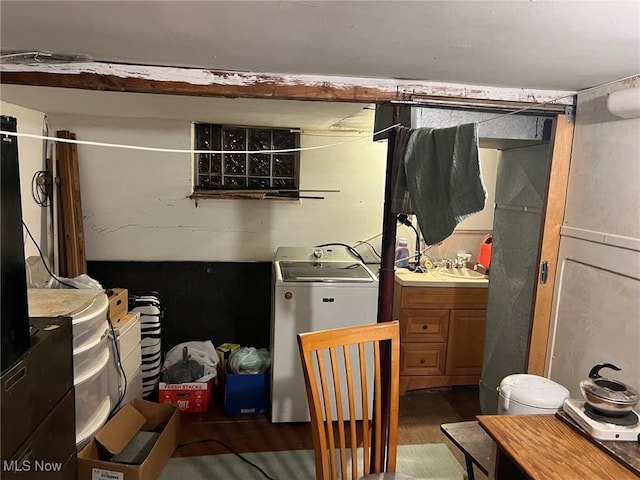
x=134, y=387
x=402, y=253
x=90, y=322
x=524, y=394
x=100, y=418
x=89, y=355
x=128, y=335
x=91, y=388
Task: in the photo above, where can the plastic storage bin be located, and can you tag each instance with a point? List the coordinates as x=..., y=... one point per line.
x=484, y=255
x=523, y=394
x=89, y=355
x=90, y=322
x=91, y=389
x=100, y=418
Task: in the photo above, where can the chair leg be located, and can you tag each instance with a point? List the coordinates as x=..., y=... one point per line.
x=469, y=463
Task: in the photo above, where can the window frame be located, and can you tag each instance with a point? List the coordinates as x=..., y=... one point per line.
x=243, y=191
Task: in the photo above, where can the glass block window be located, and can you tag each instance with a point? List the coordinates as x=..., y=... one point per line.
x=235, y=169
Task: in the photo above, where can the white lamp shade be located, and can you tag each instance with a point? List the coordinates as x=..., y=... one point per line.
x=625, y=103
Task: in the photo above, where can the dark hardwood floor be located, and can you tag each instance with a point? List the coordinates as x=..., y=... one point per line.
x=421, y=414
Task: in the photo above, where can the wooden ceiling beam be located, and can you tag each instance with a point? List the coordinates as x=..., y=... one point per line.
x=209, y=83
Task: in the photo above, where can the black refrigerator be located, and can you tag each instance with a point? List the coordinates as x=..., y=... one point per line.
x=14, y=319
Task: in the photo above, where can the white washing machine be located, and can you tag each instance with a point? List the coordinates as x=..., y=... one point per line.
x=314, y=288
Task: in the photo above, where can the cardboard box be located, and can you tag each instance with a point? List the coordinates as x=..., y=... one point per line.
x=139, y=415
x=246, y=394
x=224, y=351
x=190, y=397
x=118, y=304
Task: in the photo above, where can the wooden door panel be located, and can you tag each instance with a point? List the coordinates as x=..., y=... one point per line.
x=466, y=342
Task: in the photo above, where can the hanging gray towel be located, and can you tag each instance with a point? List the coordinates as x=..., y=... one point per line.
x=443, y=178
x=400, y=201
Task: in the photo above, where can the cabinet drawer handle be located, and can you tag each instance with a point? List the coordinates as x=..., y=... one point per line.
x=16, y=375
x=424, y=327
x=422, y=360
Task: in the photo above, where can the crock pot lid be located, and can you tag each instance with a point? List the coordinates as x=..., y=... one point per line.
x=597, y=387
x=533, y=391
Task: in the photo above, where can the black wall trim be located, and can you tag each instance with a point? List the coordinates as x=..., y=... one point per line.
x=217, y=301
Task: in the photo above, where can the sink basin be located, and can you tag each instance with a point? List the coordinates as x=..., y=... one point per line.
x=461, y=273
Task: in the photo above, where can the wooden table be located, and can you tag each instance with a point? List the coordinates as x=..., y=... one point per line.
x=542, y=447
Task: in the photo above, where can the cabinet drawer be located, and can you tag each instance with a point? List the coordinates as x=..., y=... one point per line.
x=423, y=325
x=36, y=381
x=422, y=358
x=443, y=297
x=53, y=441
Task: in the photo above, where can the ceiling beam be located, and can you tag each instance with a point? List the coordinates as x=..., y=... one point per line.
x=209, y=83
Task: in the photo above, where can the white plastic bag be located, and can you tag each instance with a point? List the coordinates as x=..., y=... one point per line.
x=249, y=361
x=82, y=281
x=202, y=352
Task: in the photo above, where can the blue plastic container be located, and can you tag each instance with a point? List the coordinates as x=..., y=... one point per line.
x=402, y=253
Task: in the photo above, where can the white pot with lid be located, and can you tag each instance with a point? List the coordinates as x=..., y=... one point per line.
x=523, y=394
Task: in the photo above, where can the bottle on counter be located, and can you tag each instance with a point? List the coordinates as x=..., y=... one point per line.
x=402, y=253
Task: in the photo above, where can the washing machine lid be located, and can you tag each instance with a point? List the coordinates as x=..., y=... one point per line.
x=326, y=272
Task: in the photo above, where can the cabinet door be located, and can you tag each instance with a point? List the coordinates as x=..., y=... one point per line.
x=423, y=325
x=466, y=342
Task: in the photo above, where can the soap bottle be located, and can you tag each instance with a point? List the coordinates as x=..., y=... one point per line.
x=402, y=253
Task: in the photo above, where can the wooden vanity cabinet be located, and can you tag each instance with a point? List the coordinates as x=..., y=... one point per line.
x=441, y=335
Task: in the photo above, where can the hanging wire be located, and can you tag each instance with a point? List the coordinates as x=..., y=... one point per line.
x=553, y=100
x=177, y=150
x=39, y=188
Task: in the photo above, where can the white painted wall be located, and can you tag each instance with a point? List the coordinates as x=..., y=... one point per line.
x=136, y=207
x=483, y=220
x=596, y=308
x=30, y=159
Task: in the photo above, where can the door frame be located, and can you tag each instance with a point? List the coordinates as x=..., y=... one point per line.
x=552, y=220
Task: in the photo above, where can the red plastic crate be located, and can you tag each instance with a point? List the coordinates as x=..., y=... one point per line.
x=189, y=397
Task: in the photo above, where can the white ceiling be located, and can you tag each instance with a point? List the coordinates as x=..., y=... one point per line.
x=555, y=45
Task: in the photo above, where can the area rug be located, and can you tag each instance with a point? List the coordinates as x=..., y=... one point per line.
x=431, y=461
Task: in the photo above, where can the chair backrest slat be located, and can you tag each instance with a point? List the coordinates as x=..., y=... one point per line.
x=337, y=391
x=353, y=438
x=332, y=393
x=377, y=413
x=325, y=417
x=364, y=389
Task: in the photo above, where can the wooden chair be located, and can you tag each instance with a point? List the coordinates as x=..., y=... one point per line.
x=340, y=366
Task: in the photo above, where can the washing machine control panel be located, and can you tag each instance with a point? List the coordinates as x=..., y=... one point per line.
x=305, y=254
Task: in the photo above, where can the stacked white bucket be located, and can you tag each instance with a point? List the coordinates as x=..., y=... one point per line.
x=91, y=369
